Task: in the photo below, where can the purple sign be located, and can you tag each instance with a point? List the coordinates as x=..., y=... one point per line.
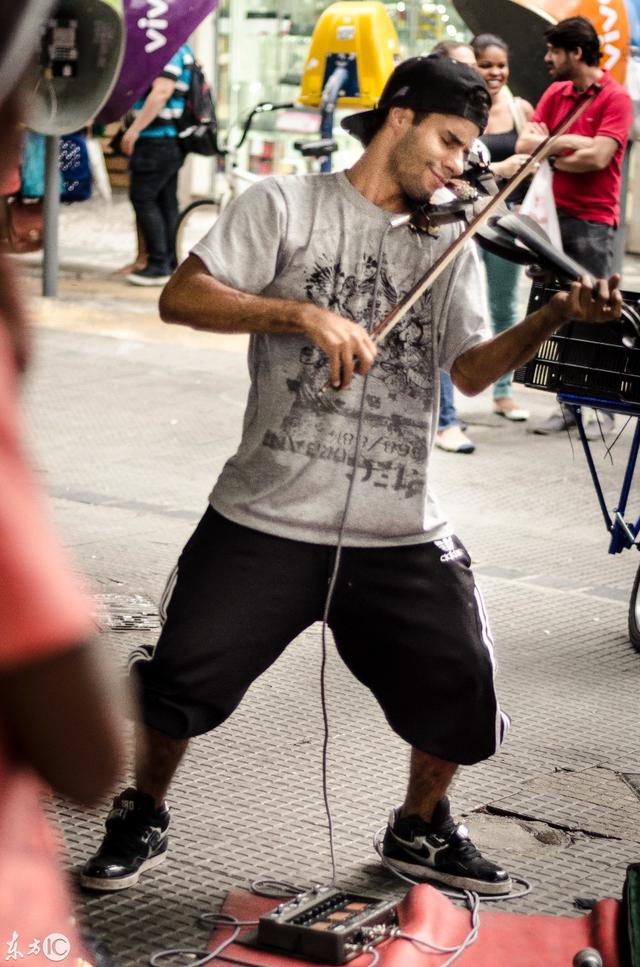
x=155, y=29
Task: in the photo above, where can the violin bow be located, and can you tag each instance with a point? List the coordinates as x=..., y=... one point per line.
x=399, y=311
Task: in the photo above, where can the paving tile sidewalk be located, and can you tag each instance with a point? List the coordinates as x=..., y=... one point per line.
x=128, y=431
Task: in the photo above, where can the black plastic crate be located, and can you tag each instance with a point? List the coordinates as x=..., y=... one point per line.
x=583, y=358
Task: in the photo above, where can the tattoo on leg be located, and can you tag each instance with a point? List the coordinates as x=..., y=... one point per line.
x=429, y=779
x=157, y=759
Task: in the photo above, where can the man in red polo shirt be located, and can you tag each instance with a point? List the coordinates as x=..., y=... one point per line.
x=587, y=164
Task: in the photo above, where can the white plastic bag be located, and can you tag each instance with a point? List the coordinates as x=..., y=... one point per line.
x=98, y=167
x=539, y=203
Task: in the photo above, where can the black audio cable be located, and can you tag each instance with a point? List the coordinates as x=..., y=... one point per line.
x=264, y=886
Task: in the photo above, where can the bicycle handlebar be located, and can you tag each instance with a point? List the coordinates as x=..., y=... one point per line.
x=261, y=108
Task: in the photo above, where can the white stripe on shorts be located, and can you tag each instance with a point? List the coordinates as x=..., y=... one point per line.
x=169, y=588
x=503, y=722
x=146, y=652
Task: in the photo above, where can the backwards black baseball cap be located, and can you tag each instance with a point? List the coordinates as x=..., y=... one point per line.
x=432, y=84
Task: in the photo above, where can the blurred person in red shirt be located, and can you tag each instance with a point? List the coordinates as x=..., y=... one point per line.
x=58, y=723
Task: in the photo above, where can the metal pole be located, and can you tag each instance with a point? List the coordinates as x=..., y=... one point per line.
x=51, y=212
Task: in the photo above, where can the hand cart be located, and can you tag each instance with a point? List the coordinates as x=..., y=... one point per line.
x=597, y=366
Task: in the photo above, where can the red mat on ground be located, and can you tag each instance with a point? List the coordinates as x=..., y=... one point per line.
x=505, y=939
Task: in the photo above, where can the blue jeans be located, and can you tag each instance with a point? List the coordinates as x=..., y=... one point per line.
x=502, y=285
x=447, y=415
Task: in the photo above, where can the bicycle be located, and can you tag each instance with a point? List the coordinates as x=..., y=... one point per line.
x=197, y=217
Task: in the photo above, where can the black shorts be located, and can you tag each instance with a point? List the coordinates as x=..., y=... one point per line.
x=408, y=621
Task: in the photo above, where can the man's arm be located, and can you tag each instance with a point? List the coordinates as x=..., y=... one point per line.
x=535, y=132
x=193, y=297
x=593, y=157
x=532, y=134
x=13, y=314
x=479, y=367
x=161, y=90
x=62, y=717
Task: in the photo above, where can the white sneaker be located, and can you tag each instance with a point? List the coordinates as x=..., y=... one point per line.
x=510, y=410
x=453, y=440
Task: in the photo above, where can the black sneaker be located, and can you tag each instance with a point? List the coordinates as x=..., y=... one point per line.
x=136, y=840
x=441, y=850
x=149, y=276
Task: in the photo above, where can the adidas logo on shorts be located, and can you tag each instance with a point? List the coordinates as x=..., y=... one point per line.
x=451, y=552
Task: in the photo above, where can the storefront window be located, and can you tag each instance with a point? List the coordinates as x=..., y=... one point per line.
x=260, y=55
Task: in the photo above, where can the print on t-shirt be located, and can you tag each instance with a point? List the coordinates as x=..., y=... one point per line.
x=394, y=445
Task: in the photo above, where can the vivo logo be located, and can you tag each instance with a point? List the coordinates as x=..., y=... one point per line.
x=153, y=25
x=610, y=34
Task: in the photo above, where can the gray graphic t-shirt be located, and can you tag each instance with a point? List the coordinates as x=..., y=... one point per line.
x=316, y=238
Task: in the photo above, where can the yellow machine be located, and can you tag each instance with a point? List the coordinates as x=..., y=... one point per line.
x=360, y=35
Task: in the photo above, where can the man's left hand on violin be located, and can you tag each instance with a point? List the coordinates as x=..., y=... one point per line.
x=589, y=300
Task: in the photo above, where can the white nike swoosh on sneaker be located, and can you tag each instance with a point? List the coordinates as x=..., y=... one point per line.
x=417, y=846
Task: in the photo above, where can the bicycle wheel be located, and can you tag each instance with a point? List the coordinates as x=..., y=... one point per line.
x=194, y=222
x=634, y=613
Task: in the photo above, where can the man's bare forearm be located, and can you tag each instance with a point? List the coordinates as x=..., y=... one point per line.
x=581, y=161
x=149, y=111
x=527, y=142
x=588, y=300
x=481, y=366
x=194, y=298
x=63, y=717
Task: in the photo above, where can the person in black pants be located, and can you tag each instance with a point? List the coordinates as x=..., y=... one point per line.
x=156, y=158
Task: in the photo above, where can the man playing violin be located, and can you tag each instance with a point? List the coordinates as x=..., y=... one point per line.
x=330, y=486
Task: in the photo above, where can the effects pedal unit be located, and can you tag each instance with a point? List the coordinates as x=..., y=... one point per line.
x=327, y=925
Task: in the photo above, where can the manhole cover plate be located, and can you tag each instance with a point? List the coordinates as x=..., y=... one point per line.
x=126, y=612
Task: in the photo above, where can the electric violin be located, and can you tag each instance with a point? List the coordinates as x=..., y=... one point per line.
x=427, y=216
